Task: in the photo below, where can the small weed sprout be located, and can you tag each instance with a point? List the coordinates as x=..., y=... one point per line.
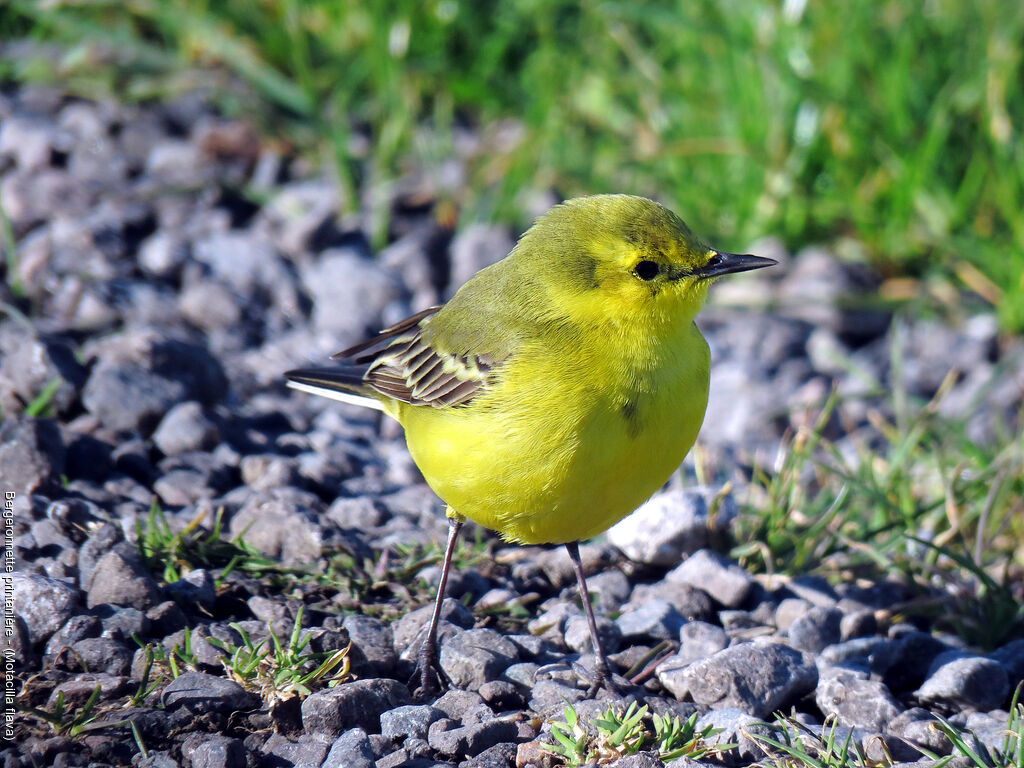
x=797, y=746
x=282, y=671
x=615, y=735
x=1010, y=754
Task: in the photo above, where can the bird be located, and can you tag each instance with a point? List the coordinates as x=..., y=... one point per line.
x=558, y=389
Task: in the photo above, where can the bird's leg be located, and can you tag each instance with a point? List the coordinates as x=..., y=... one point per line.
x=602, y=673
x=427, y=661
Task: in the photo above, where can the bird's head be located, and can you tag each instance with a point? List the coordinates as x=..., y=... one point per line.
x=621, y=256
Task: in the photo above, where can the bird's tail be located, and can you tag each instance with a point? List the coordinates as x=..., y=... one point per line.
x=342, y=382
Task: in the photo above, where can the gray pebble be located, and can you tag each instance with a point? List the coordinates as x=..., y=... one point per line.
x=351, y=750
x=101, y=654
x=185, y=428
x=373, y=646
x=655, y=621
x=44, y=604
x=219, y=752
x=31, y=454
x=957, y=680
x=411, y=720
x=200, y=693
x=579, y=639
x=354, y=705
x=758, y=678
x=725, y=581
x=856, y=702
x=470, y=740
x=671, y=525
x=120, y=579
x=816, y=629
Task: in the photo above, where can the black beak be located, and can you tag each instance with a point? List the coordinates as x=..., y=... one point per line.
x=726, y=263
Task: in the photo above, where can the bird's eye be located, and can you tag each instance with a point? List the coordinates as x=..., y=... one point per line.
x=646, y=270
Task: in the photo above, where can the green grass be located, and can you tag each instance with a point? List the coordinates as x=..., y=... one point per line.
x=897, y=123
x=916, y=499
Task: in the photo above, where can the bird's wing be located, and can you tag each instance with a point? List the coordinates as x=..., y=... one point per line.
x=403, y=363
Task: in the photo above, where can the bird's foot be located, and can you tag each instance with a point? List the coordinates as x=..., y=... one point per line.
x=602, y=678
x=428, y=676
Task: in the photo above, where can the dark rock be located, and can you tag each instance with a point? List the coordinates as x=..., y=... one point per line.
x=309, y=750
x=692, y=603
x=657, y=620
x=548, y=697
x=916, y=726
x=217, y=751
x=281, y=524
x=735, y=727
x=816, y=629
x=672, y=525
x=373, y=646
x=77, y=691
x=498, y=756
x=121, y=623
x=165, y=618
x=454, y=703
x=44, y=604
x=856, y=702
x=758, y=678
x=30, y=364
x=76, y=628
x=698, y=640
x=354, y=705
x=128, y=397
x=907, y=660
x=725, y=581
x=411, y=720
x=351, y=750
x=121, y=579
x=470, y=740
x=185, y=428
x=346, y=278
x=196, y=589
x=579, y=639
x=958, y=681
x=1011, y=656
x=858, y=624
x=639, y=760
x=200, y=693
x=502, y=695
x=101, y=654
x=31, y=454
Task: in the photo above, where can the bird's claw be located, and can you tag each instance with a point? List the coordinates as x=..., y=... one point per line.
x=428, y=673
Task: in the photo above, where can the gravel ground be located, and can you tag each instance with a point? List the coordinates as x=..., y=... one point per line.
x=160, y=305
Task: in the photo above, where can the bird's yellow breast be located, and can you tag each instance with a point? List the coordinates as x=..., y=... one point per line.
x=564, y=445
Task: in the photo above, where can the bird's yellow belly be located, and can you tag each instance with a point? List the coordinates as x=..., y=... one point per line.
x=554, y=470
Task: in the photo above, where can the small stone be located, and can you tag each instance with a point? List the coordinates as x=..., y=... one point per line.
x=499, y=756
x=735, y=726
x=672, y=525
x=411, y=720
x=201, y=693
x=725, y=581
x=185, y=428
x=789, y=610
x=31, y=454
x=76, y=628
x=692, y=603
x=639, y=760
x=101, y=654
x=281, y=523
x=758, y=677
x=308, y=751
x=917, y=727
x=470, y=740
x=218, y=752
x=373, y=646
x=502, y=695
x=1011, y=656
x=816, y=629
x=410, y=630
x=579, y=639
x=120, y=579
x=855, y=701
x=454, y=703
x=548, y=697
x=354, y=705
x=76, y=692
x=351, y=750
x=655, y=621
x=44, y=604
x=196, y=588
x=860, y=623
x=958, y=681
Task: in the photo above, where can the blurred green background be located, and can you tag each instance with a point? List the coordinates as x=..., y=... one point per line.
x=894, y=125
